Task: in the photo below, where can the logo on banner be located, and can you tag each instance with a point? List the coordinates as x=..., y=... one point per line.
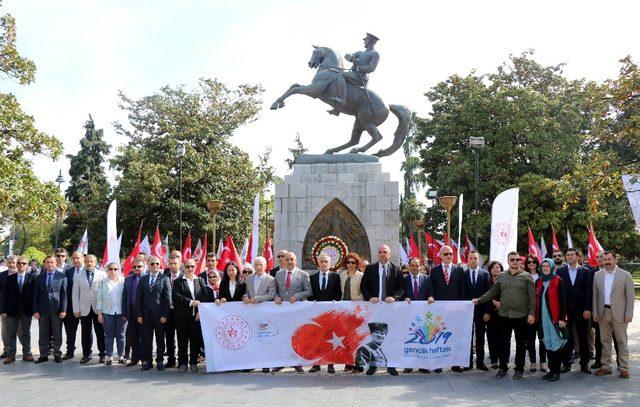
x=233, y=332
x=428, y=337
x=265, y=329
x=502, y=233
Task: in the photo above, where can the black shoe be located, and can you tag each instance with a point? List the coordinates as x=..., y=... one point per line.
x=438, y=370
x=358, y=370
x=585, y=369
x=554, y=377
x=85, y=359
x=57, y=358
x=132, y=362
x=392, y=371
x=517, y=375
x=370, y=371
x=3, y=355
x=109, y=362
x=170, y=363
x=101, y=360
x=482, y=366
x=299, y=369
x=407, y=370
x=456, y=369
x=547, y=376
x=160, y=367
x=501, y=373
x=331, y=369
x=68, y=356
x=265, y=370
x=147, y=366
x=314, y=368
x=596, y=365
x=565, y=369
x=276, y=369
x=41, y=359
x=424, y=370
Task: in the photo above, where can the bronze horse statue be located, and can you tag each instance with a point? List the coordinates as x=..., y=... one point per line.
x=367, y=107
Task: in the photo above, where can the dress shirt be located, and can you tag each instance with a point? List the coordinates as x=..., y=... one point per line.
x=608, y=285
x=324, y=276
x=256, y=282
x=572, y=274
x=232, y=288
x=115, y=297
x=191, y=289
x=473, y=276
x=381, y=271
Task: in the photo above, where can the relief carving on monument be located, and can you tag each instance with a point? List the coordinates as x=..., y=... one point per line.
x=336, y=219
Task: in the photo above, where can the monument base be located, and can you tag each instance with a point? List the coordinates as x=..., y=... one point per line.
x=331, y=195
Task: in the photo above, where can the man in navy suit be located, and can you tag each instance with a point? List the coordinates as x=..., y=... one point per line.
x=129, y=312
x=154, y=305
x=447, y=283
x=325, y=286
x=478, y=283
x=70, y=321
x=415, y=289
x=17, y=308
x=50, y=308
x=578, y=287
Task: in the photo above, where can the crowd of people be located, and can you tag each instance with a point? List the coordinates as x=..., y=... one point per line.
x=569, y=311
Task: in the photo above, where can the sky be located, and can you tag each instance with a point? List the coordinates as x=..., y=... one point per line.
x=86, y=51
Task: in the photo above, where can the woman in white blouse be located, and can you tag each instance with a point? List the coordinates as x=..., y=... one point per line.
x=109, y=300
x=232, y=288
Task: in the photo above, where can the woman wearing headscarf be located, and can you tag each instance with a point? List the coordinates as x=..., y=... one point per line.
x=551, y=316
x=532, y=266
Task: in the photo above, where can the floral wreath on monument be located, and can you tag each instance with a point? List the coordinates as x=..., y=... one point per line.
x=333, y=246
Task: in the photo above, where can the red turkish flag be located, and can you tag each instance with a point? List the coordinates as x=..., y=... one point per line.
x=415, y=252
x=186, y=249
x=268, y=253
x=202, y=260
x=229, y=253
x=128, y=263
x=156, y=249
x=594, y=247
x=534, y=249
x=331, y=337
x=554, y=240
x=433, y=248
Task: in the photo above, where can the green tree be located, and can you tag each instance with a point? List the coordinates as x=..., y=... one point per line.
x=204, y=119
x=88, y=192
x=295, y=152
x=23, y=197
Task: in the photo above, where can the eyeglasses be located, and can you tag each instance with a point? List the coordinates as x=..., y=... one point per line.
x=247, y=272
x=138, y=267
x=23, y=262
x=189, y=266
x=154, y=264
x=113, y=268
x=531, y=262
x=351, y=262
x=516, y=259
x=280, y=256
x=447, y=254
x=557, y=256
x=213, y=277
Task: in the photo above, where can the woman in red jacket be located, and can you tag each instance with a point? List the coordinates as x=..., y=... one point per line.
x=551, y=316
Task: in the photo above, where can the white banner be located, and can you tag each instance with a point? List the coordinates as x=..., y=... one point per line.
x=417, y=335
x=504, y=225
x=633, y=194
x=113, y=250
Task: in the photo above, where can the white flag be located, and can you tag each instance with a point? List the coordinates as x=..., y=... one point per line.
x=543, y=247
x=220, y=247
x=145, y=247
x=569, y=240
x=459, y=260
x=255, y=230
x=404, y=259
x=119, y=243
x=113, y=251
x=504, y=225
x=243, y=252
x=83, y=246
x=633, y=194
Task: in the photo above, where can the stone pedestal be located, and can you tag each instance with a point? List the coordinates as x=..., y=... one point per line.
x=325, y=195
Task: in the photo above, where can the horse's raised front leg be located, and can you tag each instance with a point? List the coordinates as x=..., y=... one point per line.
x=313, y=90
x=356, y=133
x=375, y=137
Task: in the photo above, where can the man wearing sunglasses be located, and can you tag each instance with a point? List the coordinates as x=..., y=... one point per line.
x=129, y=310
x=281, y=263
x=154, y=304
x=17, y=309
x=578, y=286
x=517, y=309
x=174, y=274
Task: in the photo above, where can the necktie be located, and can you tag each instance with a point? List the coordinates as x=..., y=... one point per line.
x=415, y=287
x=323, y=285
x=347, y=289
x=383, y=288
x=90, y=278
x=49, y=280
x=20, y=281
x=152, y=282
x=287, y=283
x=473, y=280
x=134, y=290
x=446, y=274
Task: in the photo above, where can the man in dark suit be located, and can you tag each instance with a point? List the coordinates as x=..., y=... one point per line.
x=50, y=308
x=71, y=321
x=578, y=286
x=478, y=283
x=4, y=324
x=382, y=281
x=415, y=289
x=17, y=308
x=447, y=283
x=129, y=312
x=154, y=304
x=281, y=263
x=173, y=273
x=325, y=286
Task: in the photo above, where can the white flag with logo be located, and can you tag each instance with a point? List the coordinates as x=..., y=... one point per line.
x=83, y=246
x=504, y=225
x=633, y=194
x=113, y=251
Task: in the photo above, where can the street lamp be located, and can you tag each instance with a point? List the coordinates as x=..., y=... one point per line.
x=447, y=203
x=214, y=206
x=180, y=150
x=476, y=143
x=59, y=180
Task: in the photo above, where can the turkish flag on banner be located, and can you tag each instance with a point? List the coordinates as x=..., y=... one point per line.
x=415, y=252
x=594, y=247
x=268, y=253
x=229, y=253
x=128, y=263
x=534, y=249
x=554, y=241
x=156, y=249
x=186, y=249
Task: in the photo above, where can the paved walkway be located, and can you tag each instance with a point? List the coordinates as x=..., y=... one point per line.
x=96, y=385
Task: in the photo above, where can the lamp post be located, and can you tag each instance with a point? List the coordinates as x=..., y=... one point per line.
x=59, y=180
x=476, y=143
x=447, y=203
x=214, y=206
x=180, y=151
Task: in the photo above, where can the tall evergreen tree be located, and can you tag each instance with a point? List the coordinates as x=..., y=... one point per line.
x=88, y=192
